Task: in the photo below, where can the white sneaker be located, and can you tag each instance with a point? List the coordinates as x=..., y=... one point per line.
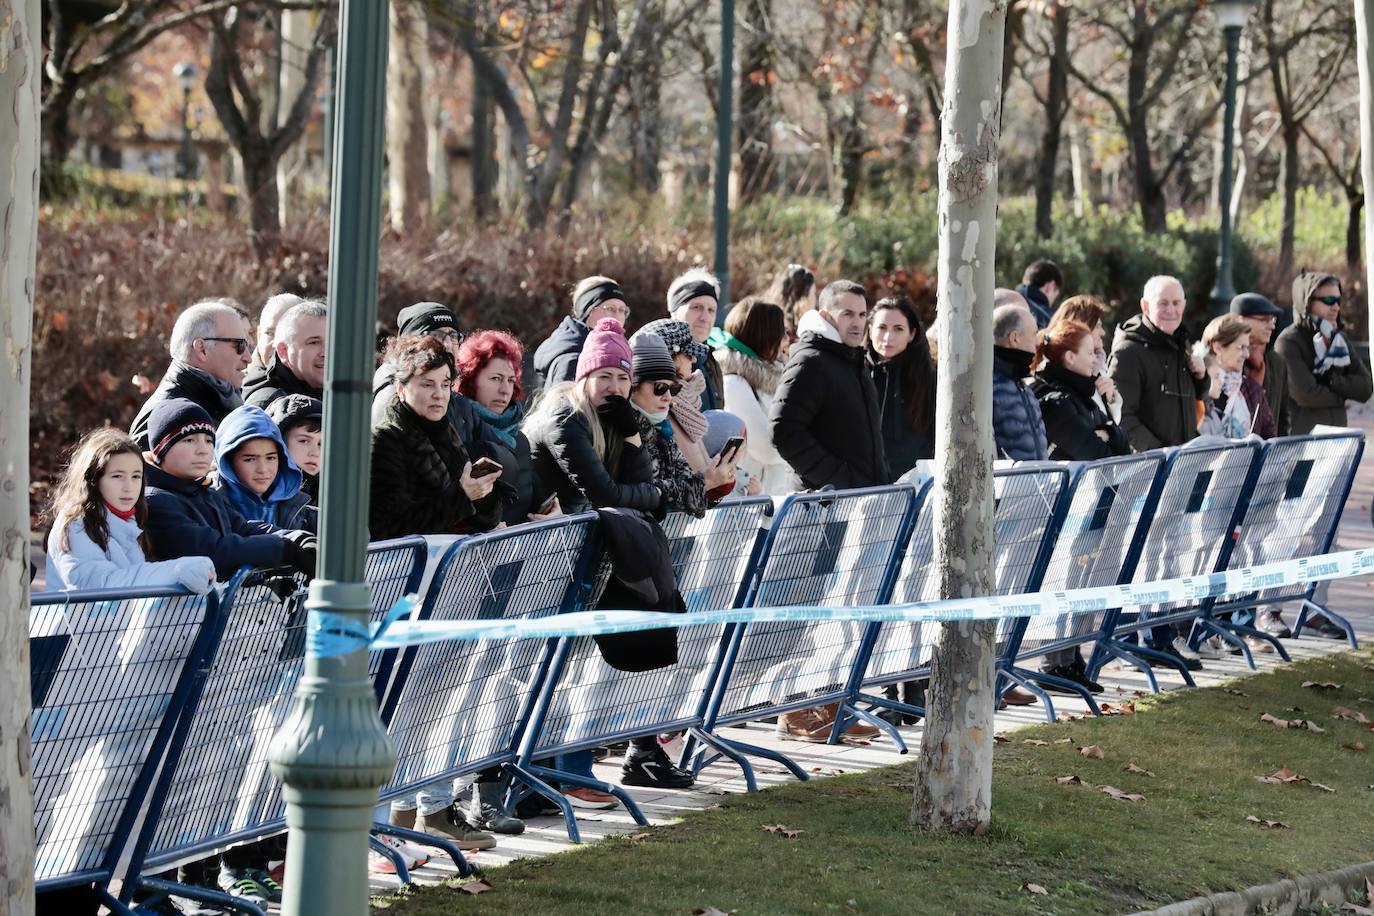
x=1214, y=647
x=414, y=856
x=1181, y=647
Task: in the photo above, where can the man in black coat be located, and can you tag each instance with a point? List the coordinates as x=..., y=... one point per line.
x=297, y=365
x=594, y=298
x=826, y=420
x=210, y=348
x=1263, y=364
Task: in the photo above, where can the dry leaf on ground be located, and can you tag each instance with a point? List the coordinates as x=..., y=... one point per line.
x=1267, y=825
x=1234, y=692
x=1309, y=725
x=1120, y=795
x=1345, y=712
x=1034, y=742
x=638, y=836
x=1132, y=768
x=1000, y=739
x=1064, y=741
x=1321, y=685
x=1317, y=785
x=1354, y=746
x=1125, y=709
x=1092, y=750
x=479, y=886
x=827, y=771
x=1282, y=775
x=1068, y=780
x=783, y=830
x=1274, y=720
x=1034, y=889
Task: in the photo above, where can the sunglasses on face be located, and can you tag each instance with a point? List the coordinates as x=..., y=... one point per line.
x=1327, y=300
x=662, y=388
x=448, y=336
x=240, y=345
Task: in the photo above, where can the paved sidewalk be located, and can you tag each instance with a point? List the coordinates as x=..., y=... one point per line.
x=546, y=835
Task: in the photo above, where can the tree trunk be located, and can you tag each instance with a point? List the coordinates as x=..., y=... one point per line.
x=1288, y=187
x=1154, y=210
x=407, y=133
x=264, y=207
x=21, y=45
x=645, y=84
x=1364, y=55
x=848, y=160
x=295, y=46
x=485, y=171
x=953, y=790
x=1056, y=103
x=754, y=115
x=1354, y=202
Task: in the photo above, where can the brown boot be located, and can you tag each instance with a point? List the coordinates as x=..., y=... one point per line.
x=860, y=730
x=812, y=725
x=1018, y=697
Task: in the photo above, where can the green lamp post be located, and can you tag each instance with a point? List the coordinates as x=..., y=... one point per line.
x=1231, y=16
x=724, y=146
x=332, y=753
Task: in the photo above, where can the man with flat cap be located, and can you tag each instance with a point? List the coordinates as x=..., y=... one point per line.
x=1263, y=365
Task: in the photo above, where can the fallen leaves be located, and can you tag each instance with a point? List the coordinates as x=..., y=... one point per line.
x=1321, y=685
x=1068, y=780
x=1064, y=741
x=1354, y=746
x=1092, y=750
x=1283, y=776
x=1267, y=825
x=1034, y=889
x=1350, y=715
x=1000, y=739
x=1132, y=768
x=1125, y=709
x=827, y=771
x=476, y=886
x=1299, y=724
x=636, y=837
x=1034, y=742
x=783, y=830
x=1234, y=692
x=1119, y=794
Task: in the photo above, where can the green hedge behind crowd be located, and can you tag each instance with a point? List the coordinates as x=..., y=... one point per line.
x=112, y=281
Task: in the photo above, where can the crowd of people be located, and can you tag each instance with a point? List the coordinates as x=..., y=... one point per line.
x=803, y=387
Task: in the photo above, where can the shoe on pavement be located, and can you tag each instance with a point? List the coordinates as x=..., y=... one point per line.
x=812, y=725
x=1183, y=650
x=486, y=812
x=1213, y=647
x=184, y=906
x=535, y=805
x=654, y=770
x=1259, y=645
x=1192, y=664
x=452, y=825
x=1324, y=628
x=413, y=855
x=1271, y=622
x=1018, y=697
x=240, y=883
x=594, y=799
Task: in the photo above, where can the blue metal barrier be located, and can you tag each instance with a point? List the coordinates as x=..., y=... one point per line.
x=460, y=706
x=393, y=569
x=586, y=703
x=1293, y=511
x=1191, y=528
x=827, y=548
x=110, y=673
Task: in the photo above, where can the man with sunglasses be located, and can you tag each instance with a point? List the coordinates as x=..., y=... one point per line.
x=211, y=346
x=1323, y=370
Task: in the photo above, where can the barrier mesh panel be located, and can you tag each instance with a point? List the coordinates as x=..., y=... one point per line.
x=595, y=702
x=102, y=674
x=462, y=703
x=824, y=550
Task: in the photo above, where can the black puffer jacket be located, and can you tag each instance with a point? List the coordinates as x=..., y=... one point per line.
x=461, y=412
x=825, y=419
x=684, y=490
x=567, y=464
x=416, y=466
x=1159, y=394
x=520, y=489
x=277, y=383
x=903, y=446
x=556, y=359
x=196, y=385
x=1073, y=419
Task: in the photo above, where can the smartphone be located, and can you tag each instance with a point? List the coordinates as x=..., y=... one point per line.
x=547, y=505
x=732, y=446
x=483, y=467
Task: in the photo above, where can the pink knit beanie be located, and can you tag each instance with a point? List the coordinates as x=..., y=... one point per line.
x=605, y=348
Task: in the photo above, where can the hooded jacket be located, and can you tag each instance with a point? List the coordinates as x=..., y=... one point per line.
x=556, y=359
x=82, y=564
x=186, y=381
x=285, y=505
x=567, y=463
x=825, y=419
x=1316, y=400
x=279, y=381
x=1018, y=430
x=416, y=487
x=1159, y=393
x=1073, y=419
x=903, y=446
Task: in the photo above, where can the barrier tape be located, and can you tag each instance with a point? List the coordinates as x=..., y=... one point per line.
x=330, y=634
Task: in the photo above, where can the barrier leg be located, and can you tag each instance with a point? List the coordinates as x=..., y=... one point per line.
x=1144, y=652
x=753, y=750
x=1024, y=674
x=398, y=860
x=1119, y=650
x=619, y=792
x=203, y=894
x=447, y=847
x=877, y=702
x=847, y=713
x=1337, y=619
x=527, y=776
x=113, y=905
x=1016, y=680
x=724, y=750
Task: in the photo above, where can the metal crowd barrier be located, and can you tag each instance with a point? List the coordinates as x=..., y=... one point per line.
x=200, y=686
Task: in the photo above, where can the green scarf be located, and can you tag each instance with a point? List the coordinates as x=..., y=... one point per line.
x=721, y=338
x=505, y=424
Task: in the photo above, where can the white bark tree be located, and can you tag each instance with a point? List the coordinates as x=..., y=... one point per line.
x=1364, y=53
x=21, y=42
x=407, y=127
x=954, y=771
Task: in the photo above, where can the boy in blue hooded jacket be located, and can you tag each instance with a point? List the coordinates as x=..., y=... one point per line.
x=257, y=474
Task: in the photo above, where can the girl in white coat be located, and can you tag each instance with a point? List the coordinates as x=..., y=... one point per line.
x=749, y=351
x=96, y=539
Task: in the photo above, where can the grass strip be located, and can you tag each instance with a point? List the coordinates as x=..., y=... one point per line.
x=852, y=850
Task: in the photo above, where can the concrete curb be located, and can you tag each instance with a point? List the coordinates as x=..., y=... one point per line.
x=1280, y=898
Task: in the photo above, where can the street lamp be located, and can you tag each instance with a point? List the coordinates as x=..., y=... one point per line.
x=186, y=159
x=1231, y=16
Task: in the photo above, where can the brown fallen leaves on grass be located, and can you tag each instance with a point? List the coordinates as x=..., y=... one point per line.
x=1120, y=794
x=1034, y=889
x=1125, y=709
x=1267, y=825
x=475, y=887
x=1321, y=685
x=1354, y=746
x=1094, y=751
x=1350, y=715
x=1034, y=742
x=1234, y=692
x=1283, y=775
x=1068, y=780
x=783, y=830
x=1132, y=768
x=1300, y=724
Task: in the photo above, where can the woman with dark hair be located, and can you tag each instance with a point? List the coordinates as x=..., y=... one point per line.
x=904, y=375
x=796, y=291
x=1076, y=428
x=422, y=479
x=489, y=365
x=748, y=350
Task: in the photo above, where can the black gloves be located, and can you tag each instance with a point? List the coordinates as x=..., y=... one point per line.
x=620, y=415
x=300, y=554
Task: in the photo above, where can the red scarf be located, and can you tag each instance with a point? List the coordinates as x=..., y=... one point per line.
x=127, y=516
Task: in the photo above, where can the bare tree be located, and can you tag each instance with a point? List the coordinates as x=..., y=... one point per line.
x=754, y=118
x=953, y=790
x=21, y=48
x=407, y=128
x=1364, y=21
x=1054, y=100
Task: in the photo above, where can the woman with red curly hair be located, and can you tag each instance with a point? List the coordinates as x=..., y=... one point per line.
x=489, y=376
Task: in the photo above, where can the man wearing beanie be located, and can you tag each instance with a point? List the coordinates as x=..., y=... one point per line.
x=1263, y=365
x=593, y=299
x=189, y=518
x=430, y=319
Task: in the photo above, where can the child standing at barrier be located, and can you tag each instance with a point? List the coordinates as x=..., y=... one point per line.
x=187, y=517
x=300, y=419
x=97, y=540
x=256, y=472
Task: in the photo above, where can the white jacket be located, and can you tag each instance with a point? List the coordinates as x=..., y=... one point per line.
x=121, y=565
x=761, y=459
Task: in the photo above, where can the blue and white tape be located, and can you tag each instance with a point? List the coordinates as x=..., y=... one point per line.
x=330, y=634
